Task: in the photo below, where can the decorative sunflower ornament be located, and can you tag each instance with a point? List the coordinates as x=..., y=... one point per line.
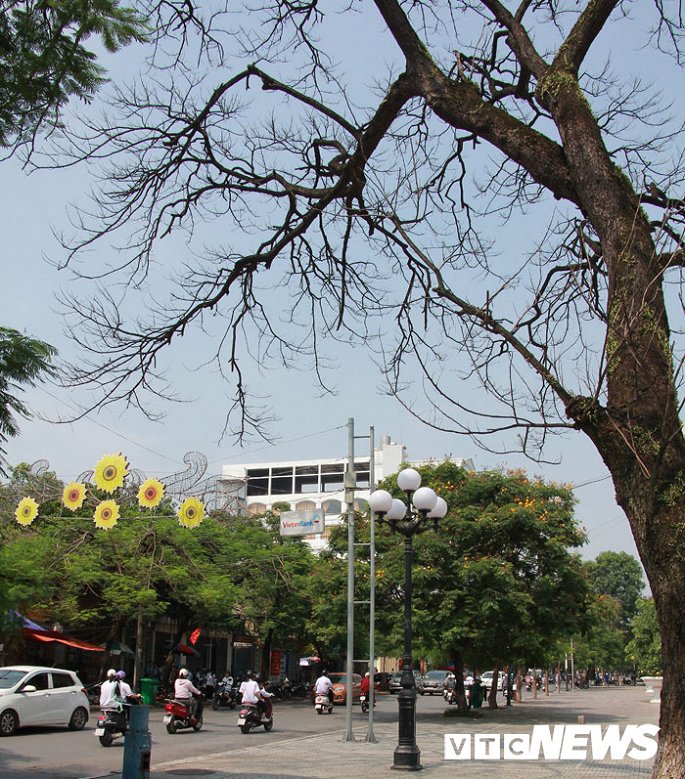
x=191, y=512
x=106, y=514
x=27, y=511
x=110, y=472
x=73, y=495
x=150, y=493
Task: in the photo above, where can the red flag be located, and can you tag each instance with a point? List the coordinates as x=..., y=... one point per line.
x=194, y=636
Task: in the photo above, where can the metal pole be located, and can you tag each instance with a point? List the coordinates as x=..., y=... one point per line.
x=137, y=745
x=350, y=484
x=407, y=754
x=372, y=589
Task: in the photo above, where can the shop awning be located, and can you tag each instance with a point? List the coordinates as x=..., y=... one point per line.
x=46, y=636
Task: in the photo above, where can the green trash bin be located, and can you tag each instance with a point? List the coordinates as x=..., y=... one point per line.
x=148, y=690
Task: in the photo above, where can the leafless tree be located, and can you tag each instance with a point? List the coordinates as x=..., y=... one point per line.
x=496, y=196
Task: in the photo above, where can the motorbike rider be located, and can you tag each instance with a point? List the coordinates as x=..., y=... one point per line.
x=110, y=695
x=366, y=683
x=265, y=697
x=251, y=693
x=324, y=686
x=125, y=690
x=185, y=691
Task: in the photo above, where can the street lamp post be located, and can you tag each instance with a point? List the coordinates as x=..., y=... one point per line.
x=422, y=511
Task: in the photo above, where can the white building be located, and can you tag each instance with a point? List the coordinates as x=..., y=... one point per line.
x=307, y=485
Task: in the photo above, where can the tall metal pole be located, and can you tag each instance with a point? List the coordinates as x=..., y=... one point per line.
x=407, y=754
x=372, y=589
x=350, y=484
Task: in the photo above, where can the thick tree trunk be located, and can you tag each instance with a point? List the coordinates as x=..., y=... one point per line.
x=638, y=432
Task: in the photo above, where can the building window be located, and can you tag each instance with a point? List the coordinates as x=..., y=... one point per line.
x=306, y=479
x=333, y=477
x=282, y=481
x=258, y=481
x=255, y=509
x=332, y=507
x=362, y=474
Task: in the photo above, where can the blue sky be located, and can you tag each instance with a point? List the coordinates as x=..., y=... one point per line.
x=308, y=423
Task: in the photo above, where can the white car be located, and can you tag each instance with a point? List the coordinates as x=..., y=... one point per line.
x=33, y=695
x=486, y=680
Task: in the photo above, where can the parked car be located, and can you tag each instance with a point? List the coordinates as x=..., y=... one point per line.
x=486, y=680
x=339, y=680
x=434, y=682
x=33, y=695
x=395, y=684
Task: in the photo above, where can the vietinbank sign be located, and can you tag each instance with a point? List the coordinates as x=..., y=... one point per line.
x=302, y=523
x=560, y=742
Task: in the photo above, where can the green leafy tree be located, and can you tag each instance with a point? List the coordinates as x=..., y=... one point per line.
x=497, y=582
x=620, y=575
x=44, y=62
x=602, y=645
x=224, y=573
x=644, y=648
x=23, y=362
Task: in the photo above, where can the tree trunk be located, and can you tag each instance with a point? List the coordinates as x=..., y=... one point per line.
x=492, y=693
x=638, y=432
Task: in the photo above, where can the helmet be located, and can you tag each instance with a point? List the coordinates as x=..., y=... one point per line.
x=111, y=673
x=367, y=674
x=183, y=673
x=121, y=675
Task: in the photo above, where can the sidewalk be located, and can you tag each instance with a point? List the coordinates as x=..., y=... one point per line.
x=327, y=755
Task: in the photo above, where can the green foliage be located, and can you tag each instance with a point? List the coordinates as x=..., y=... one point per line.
x=496, y=582
x=43, y=62
x=221, y=574
x=23, y=361
x=620, y=575
x=644, y=648
x=602, y=645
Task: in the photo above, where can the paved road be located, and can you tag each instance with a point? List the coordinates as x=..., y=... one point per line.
x=304, y=746
x=59, y=753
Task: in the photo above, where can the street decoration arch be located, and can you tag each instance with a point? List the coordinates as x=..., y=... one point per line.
x=111, y=474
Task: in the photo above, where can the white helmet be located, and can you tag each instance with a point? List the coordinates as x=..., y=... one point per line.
x=111, y=673
x=183, y=673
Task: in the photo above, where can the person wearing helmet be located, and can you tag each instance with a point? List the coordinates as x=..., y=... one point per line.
x=185, y=691
x=110, y=697
x=125, y=690
x=324, y=686
x=252, y=692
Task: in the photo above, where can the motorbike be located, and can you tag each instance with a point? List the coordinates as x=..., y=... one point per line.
x=177, y=715
x=111, y=725
x=251, y=717
x=364, y=701
x=323, y=704
x=225, y=696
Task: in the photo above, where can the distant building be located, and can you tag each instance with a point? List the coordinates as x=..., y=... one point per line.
x=306, y=485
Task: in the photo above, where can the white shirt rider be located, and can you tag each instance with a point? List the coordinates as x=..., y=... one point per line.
x=185, y=689
x=323, y=685
x=110, y=696
x=250, y=691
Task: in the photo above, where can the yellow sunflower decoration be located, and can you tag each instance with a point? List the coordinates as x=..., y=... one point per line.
x=27, y=511
x=191, y=512
x=73, y=495
x=150, y=493
x=106, y=514
x=110, y=472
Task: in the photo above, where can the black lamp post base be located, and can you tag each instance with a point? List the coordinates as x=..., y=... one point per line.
x=407, y=757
